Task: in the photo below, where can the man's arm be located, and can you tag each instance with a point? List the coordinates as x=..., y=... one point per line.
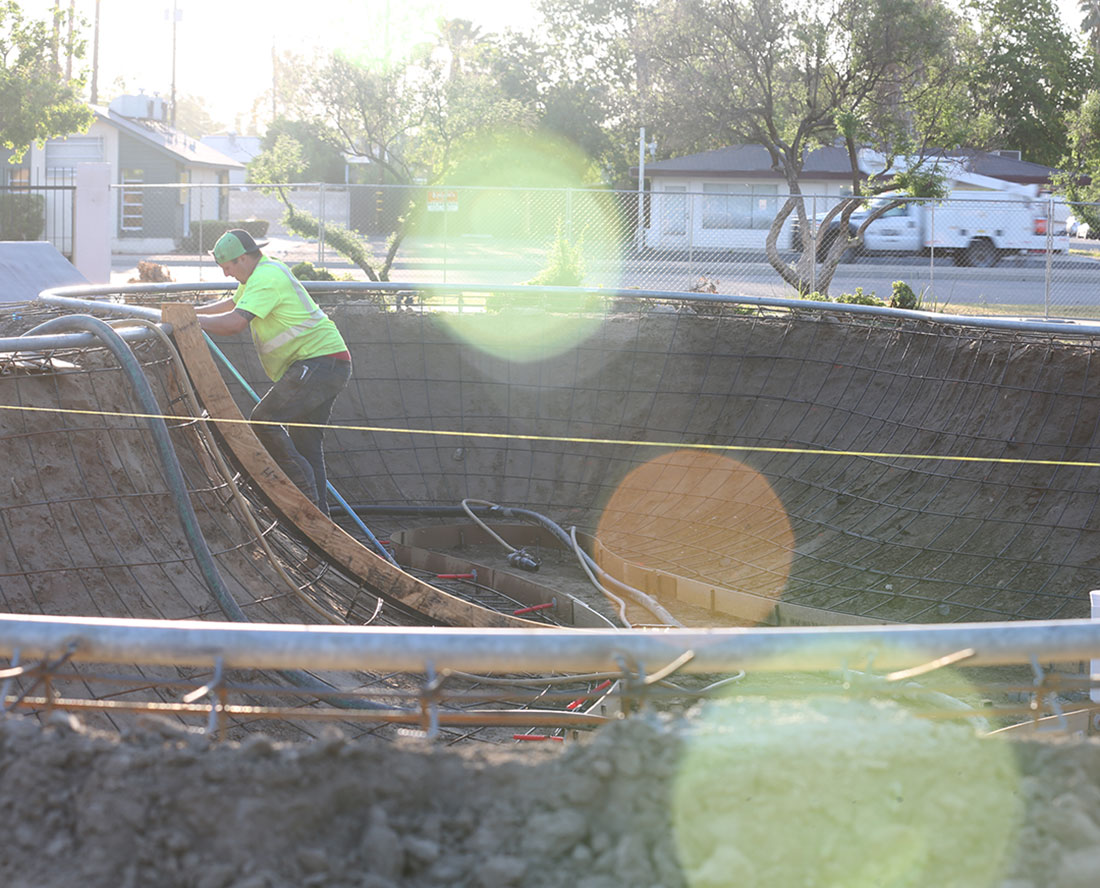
x=222, y=305
x=226, y=323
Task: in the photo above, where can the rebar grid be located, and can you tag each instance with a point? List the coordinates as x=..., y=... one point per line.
x=450, y=704
x=924, y=467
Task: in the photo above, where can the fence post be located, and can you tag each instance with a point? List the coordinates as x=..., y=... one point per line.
x=932, y=250
x=321, y=226
x=691, y=235
x=198, y=237
x=92, y=222
x=811, y=229
x=1094, y=665
x=1050, y=257
x=569, y=215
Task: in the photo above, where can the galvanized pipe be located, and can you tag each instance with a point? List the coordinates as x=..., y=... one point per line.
x=406, y=649
x=73, y=296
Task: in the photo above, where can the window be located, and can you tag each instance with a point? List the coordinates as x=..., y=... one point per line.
x=132, y=198
x=65, y=154
x=728, y=205
x=19, y=178
x=673, y=204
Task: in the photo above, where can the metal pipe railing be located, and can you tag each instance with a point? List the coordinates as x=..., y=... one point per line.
x=75, y=296
x=404, y=649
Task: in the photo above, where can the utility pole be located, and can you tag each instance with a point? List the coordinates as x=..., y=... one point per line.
x=175, y=21
x=94, y=97
x=274, y=80
x=69, y=43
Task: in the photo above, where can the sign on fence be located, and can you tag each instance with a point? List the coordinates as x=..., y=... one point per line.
x=442, y=201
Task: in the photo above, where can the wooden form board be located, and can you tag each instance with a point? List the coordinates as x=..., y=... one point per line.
x=328, y=538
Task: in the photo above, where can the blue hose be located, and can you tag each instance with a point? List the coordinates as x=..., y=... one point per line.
x=178, y=487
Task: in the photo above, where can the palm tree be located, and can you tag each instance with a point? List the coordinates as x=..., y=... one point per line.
x=458, y=36
x=1091, y=22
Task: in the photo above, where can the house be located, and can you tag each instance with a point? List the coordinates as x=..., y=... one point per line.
x=148, y=160
x=728, y=197
x=237, y=147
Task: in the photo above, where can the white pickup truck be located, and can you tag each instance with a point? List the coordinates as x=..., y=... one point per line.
x=975, y=227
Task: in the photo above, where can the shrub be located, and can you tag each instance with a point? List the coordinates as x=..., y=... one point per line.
x=205, y=233
x=904, y=297
x=565, y=265
x=856, y=298
x=22, y=216
x=305, y=271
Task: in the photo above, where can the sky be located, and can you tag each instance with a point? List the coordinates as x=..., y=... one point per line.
x=223, y=48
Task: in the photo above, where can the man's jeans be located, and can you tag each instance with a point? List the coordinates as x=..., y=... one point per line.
x=305, y=394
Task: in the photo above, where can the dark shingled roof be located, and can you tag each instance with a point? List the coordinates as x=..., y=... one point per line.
x=754, y=162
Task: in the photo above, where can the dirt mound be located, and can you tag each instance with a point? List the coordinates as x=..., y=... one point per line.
x=167, y=808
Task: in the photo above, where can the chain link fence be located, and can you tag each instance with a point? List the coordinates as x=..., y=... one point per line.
x=985, y=252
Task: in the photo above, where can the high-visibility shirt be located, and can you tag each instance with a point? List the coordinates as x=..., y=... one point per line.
x=288, y=325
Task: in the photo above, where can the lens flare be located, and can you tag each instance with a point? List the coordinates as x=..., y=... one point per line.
x=704, y=516
x=832, y=792
x=517, y=210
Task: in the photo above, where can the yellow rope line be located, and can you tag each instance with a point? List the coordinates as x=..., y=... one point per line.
x=619, y=442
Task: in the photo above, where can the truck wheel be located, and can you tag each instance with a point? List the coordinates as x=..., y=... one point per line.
x=980, y=253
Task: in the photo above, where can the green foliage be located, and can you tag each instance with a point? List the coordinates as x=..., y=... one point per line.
x=281, y=163
x=565, y=264
x=856, y=298
x=904, y=297
x=35, y=103
x=22, y=216
x=1079, y=178
x=345, y=242
x=205, y=232
x=1033, y=73
x=296, y=151
x=305, y=271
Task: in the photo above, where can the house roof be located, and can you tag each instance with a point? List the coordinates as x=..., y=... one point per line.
x=752, y=162
x=171, y=141
x=240, y=148
x=832, y=163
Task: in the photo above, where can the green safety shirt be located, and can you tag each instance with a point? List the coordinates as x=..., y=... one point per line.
x=288, y=326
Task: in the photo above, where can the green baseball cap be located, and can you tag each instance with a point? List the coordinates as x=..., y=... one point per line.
x=235, y=242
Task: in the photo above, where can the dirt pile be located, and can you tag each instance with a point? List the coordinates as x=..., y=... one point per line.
x=169, y=808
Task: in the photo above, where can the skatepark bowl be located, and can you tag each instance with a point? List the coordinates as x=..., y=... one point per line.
x=747, y=466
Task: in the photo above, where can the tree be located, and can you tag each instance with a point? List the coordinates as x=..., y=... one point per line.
x=579, y=75
x=791, y=75
x=36, y=103
x=320, y=156
x=1090, y=24
x=1034, y=74
x=411, y=120
x=1079, y=178
x=193, y=119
